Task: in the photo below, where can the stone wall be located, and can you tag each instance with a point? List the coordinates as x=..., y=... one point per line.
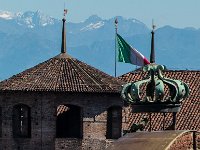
x=43, y=119
x=83, y=144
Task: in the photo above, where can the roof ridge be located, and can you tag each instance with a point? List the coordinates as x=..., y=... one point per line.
x=168, y=70
x=86, y=73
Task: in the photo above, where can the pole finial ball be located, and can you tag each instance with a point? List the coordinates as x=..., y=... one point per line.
x=153, y=26
x=65, y=11
x=116, y=21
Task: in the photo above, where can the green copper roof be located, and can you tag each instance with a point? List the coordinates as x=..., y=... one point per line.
x=155, y=88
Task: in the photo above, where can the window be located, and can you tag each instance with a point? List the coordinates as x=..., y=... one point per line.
x=21, y=121
x=114, y=122
x=69, y=122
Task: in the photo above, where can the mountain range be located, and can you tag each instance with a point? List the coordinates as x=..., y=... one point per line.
x=29, y=38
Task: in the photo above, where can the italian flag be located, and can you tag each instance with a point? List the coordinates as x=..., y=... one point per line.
x=128, y=54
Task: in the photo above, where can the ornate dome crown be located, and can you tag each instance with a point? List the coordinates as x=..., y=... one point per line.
x=155, y=89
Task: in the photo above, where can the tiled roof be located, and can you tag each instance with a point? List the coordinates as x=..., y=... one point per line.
x=61, y=109
x=62, y=73
x=189, y=116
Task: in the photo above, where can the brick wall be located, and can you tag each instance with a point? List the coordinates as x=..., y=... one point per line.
x=43, y=119
x=84, y=144
x=63, y=143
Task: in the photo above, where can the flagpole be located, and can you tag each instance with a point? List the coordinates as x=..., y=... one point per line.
x=116, y=23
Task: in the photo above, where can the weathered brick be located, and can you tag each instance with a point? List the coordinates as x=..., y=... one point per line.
x=43, y=120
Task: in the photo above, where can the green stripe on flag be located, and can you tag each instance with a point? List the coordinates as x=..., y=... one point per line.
x=123, y=50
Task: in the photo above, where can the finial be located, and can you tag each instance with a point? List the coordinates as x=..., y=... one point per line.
x=153, y=25
x=152, y=55
x=65, y=12
x=116, y=24
x=116, y=21
x=63, y=45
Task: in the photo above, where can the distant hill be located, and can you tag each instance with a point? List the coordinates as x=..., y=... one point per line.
x=29, y=38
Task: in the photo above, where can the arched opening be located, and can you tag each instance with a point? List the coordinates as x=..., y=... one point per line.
x=114, y=122
x=69, y=122
x=21, y=121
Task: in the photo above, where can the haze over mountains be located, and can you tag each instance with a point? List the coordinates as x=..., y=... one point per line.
x=29, y=38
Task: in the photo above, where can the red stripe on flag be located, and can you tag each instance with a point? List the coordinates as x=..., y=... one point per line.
x=146, y=61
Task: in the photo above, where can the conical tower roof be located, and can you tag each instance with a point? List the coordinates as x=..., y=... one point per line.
x=62, y=73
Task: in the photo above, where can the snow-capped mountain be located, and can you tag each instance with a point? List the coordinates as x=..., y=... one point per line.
x=29, y=38
x=33, y=19
x=6, y=15
x=92, y=23
x=28, y=19
x=93, y=26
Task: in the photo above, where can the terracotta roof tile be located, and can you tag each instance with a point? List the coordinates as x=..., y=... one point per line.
x=188, y=117
x=62, y=74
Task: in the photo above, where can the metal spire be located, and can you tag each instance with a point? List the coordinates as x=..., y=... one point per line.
x=63, y=45
x=116, y=27
x=152, y=55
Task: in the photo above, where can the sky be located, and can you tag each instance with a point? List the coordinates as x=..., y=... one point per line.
x=177, y=13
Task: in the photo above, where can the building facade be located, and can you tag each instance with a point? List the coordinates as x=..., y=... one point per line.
x=61, y=103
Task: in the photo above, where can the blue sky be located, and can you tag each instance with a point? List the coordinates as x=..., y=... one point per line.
x=177, y=13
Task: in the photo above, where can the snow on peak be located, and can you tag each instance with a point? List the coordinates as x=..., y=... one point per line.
x=136, y=21
x=32, y=19
x=6, y=15
x=93, y=26
x=29, y=18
